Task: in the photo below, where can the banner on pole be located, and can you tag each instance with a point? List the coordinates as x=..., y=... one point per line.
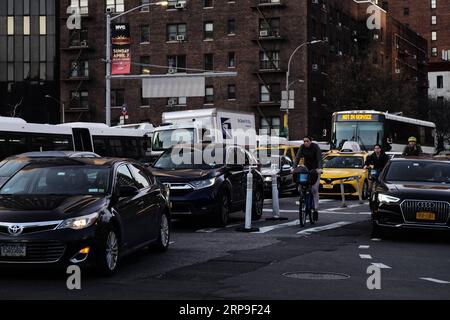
x=121, y=51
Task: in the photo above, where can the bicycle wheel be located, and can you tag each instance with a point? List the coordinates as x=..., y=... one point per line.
x=309, y=212
x=302, y=209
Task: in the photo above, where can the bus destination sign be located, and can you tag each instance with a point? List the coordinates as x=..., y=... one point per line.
x=358, y=117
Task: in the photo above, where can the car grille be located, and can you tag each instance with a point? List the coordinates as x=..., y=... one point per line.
x=30, y=229
x=179, y=189
x=37, y=252
x=411, y=207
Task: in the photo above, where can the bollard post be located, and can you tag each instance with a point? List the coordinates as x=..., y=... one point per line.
x=358, y=188
x=249, y=205
x=275, y=197
x=344, y=205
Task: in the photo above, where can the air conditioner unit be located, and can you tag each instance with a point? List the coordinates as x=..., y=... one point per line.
x=83, y=43
x=172, y=70
x=181, y=37
x=110, y=10
x=264, y=33
x=171, y=102
x=398, y=71
x=180, y=5
x=315, y=67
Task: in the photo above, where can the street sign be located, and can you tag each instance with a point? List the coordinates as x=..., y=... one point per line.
x=285, y=104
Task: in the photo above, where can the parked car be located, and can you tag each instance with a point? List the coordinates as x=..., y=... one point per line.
x=284, y=168
x=209, y=187
x=84, y=211
x=346, y=168
x=412, y=193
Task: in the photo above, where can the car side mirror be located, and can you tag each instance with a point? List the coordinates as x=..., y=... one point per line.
x=127, y=191
x=286, y=167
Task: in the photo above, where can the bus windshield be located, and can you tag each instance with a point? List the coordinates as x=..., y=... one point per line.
x=165, y=139
x=367, y=134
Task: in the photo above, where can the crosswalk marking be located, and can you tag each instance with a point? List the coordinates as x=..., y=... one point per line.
x=211, y=230
x=365, y=256
x=435, y=280
x=381, y=266
x=364, y=247
x=326, y=227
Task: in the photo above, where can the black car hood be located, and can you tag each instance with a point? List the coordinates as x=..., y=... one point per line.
x=422, y=191
x=22, y=209
x=184, y=175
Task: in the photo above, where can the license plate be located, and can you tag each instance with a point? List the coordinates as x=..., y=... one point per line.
x=13, y=250
x=429, y=216
x=328, y=186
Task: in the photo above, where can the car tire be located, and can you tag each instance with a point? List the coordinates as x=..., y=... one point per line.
x=365, y=191
x=107, y=257
x=163, y=241
x=222, y=211
x=258, y=205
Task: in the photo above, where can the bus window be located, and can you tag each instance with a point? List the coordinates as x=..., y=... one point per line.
x=41, y=143
x=345, y=131
x=116, y=148
x=82, y=138
x=100, y=147
x=131, y=149
x=62, y=143
x=12, y=145
x=370, y=134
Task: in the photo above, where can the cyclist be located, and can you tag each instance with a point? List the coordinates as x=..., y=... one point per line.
x=412, y=149
x=312, y=159
x=378, y=159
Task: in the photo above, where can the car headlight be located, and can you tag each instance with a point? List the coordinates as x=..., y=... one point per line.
x=79, y=223
x=383, y=198
x=351, y=178
x=268, y=179
x=201, y=184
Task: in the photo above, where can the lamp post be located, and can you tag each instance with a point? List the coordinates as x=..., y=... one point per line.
x=288, y=85
x=109, y=19
x=62, y=106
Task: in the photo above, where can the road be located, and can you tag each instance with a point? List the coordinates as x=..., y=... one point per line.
x=209, y=263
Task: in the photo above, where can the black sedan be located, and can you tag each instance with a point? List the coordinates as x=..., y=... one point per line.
x=209, y=180
x=84, y=211
x=412, y=193
x=284, y=168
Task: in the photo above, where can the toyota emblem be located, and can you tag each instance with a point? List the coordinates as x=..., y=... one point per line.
x=15, y=230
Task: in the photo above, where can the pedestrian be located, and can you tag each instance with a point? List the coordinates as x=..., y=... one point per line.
x=412, y=149
x=311, y=155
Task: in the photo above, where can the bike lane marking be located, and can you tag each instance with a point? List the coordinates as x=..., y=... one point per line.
x=365, y=256
x=324, y=228
x=435, y=280
x=279, y=226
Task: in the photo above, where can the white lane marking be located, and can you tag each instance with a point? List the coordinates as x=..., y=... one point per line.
x=364, y=247
x=326, y=227
x=381, y=266
x=287, y=211
x=376, y=239
x=278, y=226
x=364, y=213
x=435, y=280
x=365, y=256
x=345, y=208
x=211, y=230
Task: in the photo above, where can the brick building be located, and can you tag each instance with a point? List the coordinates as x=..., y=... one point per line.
x=255, y=38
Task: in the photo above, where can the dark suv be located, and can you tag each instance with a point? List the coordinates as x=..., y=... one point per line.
x=210, y=179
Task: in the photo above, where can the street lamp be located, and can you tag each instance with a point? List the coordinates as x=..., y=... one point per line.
x=109, y=19
x=287, y=80
x=62, y=106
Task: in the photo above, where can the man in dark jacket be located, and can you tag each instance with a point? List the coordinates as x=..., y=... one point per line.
x=378, y=159
x=311, y=155
x=412, y=149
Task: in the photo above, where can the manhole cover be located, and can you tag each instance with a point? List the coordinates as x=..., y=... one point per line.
x=316, y=275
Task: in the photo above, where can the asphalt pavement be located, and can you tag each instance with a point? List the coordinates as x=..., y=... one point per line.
x=328, y=260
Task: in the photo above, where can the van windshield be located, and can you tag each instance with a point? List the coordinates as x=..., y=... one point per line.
x=165, y=139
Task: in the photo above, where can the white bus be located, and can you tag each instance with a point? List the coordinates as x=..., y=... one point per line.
x=17, y=136
x=369, y=128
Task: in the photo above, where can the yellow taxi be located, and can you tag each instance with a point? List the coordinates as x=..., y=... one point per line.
x=346, y=168
x=280, y=150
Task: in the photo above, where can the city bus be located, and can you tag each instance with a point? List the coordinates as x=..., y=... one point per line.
x=17, y=136
x=389, y=130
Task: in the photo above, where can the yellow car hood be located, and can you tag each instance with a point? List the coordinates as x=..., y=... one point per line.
x=341, y=173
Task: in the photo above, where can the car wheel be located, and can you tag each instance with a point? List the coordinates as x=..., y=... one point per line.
x=162, y=244
x=222, y=212
x=258, y=204
x=365, y=190
x=108, y=254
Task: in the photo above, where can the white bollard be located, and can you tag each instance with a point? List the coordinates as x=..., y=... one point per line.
x=249, y=205
x=275, y=197
x=344, y=205
x=358, y=188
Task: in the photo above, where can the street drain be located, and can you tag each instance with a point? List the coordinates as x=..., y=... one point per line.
x=316, y=275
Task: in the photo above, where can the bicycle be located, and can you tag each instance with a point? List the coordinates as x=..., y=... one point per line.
x=306, y=199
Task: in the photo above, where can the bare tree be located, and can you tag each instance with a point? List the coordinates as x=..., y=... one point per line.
x=13, y=113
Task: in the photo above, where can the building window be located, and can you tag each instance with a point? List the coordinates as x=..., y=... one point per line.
x=145, y=65
x=118, y=98
x=269, y=123
x=115, y=5
x=42, y=25
x=270, y=92
x=10, y=26
x=176, y=32
x=208, y=31
x=269, y=27
x=434, y=52
x=209, y=62
x=269, y=60
x=208, y=3
x=231, y=60
x=440, y=82
x=231, y=92
x=406, y=11
x=231, y=27
x=26, y=26
x=79, y=100
x=145, y=9
x=79, y=69
x=209, y=94
x=82, y=4
x=434, y=20
x=434, y=35
x=433, y=4
x=145, y=33
x=440, y=101
x=78, y=38
x=176, y=63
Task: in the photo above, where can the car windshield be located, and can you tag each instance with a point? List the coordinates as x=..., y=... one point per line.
x=166, y=139
x=58, y=180
x=10, y=167
x=267, y=162
x=186, y=158
x=340, y=162
x=419, y=171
